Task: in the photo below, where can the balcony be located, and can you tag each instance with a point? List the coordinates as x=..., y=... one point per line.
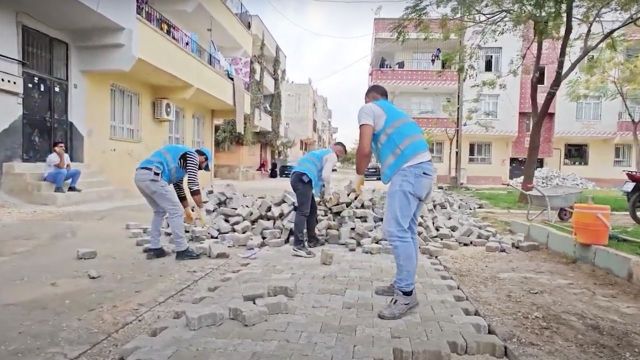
x=240, y=11
x=623, y=116
x=420, y=79
x=170, y=59
x=268, y=85
x=261, y=121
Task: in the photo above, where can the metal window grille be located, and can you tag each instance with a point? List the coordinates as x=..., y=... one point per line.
x=125, y=114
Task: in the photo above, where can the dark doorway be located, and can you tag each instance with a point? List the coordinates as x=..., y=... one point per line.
x=45, y=112
x=516, y=167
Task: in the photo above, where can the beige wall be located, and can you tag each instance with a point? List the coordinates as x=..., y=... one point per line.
x=117, y=159
x=601, y=155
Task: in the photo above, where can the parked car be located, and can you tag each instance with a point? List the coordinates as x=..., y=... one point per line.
x=372, y=172
x=285, y=170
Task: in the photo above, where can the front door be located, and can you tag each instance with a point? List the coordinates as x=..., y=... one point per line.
x=45, y=114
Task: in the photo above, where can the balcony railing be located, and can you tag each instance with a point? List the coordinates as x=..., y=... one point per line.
x=624, y=115
x=411, y=64
x=447, y=78
x=240, y=11
x=185, y=40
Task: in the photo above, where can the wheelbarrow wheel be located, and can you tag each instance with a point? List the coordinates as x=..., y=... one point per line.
x=564, y=214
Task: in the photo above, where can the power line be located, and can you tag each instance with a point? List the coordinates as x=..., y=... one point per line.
x=312, y=31
x=342, y=69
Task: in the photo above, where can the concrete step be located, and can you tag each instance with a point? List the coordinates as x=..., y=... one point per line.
x=85, y=184
x=67, y=199
x=20, y=167
x=37, y=176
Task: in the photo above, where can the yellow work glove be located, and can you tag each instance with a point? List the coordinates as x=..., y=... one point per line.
x=188, y=216
x=359, y=183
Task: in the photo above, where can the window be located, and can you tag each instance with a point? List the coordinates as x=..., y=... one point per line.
x=589, y=109
x=576, y=154
x=125, y=115
x=490, y=59
x=176, y=128
x=437, y=151
x=198, y=131
x=542, y=75
x=480, y=153
x=488, y=106
x=421, y=106
x=622, y=155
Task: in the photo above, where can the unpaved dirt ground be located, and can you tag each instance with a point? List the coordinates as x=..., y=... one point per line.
x=547, y=307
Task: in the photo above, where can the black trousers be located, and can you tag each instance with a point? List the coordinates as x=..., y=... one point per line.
x=307, y=210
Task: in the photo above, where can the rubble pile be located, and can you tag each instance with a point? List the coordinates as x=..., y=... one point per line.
x=346, y=218
x=545, y=178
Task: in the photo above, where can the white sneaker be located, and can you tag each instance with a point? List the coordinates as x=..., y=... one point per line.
x=302, y=251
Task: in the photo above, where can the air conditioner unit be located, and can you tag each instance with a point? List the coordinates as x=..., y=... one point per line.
x=164, y=110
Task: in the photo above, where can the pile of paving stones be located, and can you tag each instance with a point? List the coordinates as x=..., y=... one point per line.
x=345, y=218
x=545, y=178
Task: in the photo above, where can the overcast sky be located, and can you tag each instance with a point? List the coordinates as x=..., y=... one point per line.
x=326, y=59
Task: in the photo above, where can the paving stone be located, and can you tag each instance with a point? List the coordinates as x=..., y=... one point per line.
x=247, y=313
x=318, y=338
x=262, y=225
x=139, y=342
x=93, y=274
x=271, y=234
x=492, y=247
x=275, y=305
x=245, y=212
x=286, y=288
x=333, y=236
x=481, y=344
x=86, y=254
x=478, y=323
x=450, y=245
x=255, y=243
x=217, y=251
x=464, y=240
x=372, y=249
x=143, y=241
x=275, y=242
x=198, y=317
x=479, y=242
x=136, y=233
x=235, y=220
x=529, y=246
x=430, y=350
x=434, y=251
x=326, y=257
x=251, y=292
x=243, y=227
x=132, y=226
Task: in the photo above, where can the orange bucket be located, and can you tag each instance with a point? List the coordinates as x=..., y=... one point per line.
x=591, y=224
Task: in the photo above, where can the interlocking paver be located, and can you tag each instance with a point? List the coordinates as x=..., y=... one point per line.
x=332, y=314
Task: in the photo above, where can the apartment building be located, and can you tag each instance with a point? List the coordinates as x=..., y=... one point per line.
x=590, y=138
x=268, y=60
x=116, y=80
x=306, y=119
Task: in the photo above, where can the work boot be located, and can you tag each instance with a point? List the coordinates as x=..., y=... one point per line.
x=386, y=290
x=315, y=243
x=74, y=189
x=59, y=190
x=302, y=251
x=155, y=253
x=398, y=306
x=187, y=254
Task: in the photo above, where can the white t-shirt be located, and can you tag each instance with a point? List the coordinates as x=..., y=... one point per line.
x=52, y=160
x=372, y=114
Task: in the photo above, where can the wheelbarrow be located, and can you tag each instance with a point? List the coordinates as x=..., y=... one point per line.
x=557, y=198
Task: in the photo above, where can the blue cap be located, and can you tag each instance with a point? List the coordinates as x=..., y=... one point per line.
x=207, y=153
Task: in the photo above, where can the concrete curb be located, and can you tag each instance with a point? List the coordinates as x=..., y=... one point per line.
x=507, y=211
x=615, y=262
x=493, y=329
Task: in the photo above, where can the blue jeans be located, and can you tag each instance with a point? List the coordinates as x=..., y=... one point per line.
x=59, y=176
x=408, y=188
x=163, y=200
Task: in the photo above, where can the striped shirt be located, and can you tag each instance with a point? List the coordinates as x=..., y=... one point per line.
x=190, y=162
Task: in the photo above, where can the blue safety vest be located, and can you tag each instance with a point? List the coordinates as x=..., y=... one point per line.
x=311, y=164
x=166, y=161
x=399, y=140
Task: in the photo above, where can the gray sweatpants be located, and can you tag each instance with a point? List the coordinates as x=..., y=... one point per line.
x=164, y=201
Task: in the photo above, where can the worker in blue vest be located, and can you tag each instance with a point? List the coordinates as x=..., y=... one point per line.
x=168, y=166
x=399, y=146
x=312, y=176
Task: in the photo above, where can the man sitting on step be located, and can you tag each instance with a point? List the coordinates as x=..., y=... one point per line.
x=59, y=169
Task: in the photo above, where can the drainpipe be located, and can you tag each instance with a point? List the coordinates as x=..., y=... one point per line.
x=559, y=159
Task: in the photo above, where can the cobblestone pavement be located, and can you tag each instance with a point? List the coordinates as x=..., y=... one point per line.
x=332, y=314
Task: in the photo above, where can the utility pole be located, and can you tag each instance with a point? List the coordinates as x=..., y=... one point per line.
x=455, y=181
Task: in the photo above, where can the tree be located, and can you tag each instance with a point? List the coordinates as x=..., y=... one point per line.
x=613, y=73
x=577, y=27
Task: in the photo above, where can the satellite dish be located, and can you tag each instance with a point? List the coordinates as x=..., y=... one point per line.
x=377, y=11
